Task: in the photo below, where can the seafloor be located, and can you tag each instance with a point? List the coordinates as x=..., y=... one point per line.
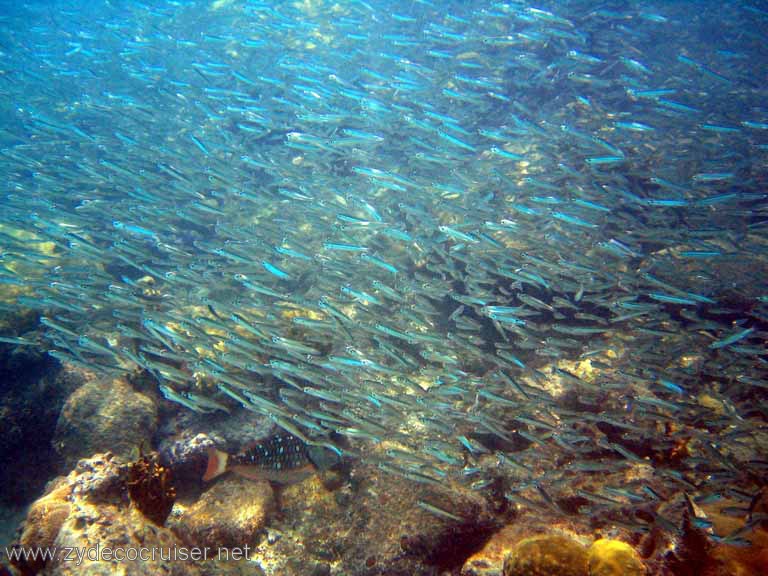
x=78, y=449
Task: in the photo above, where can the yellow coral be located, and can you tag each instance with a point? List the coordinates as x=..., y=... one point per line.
x=614, y=558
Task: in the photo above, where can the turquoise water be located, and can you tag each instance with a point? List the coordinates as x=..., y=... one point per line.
x=442, y=237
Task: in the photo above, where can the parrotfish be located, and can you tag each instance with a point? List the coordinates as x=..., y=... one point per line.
x=280, y=458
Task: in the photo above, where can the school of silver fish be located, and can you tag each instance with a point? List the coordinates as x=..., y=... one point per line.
x=429, y=234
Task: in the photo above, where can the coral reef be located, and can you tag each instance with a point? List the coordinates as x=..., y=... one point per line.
x=363, y=522
x=228, y=432
x=104, y=415
x=369, y=524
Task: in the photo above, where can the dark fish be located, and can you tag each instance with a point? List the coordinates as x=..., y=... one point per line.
x=281, y=458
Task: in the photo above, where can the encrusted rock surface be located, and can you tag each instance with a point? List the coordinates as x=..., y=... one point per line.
x=375, y=525
x=43, y=523
x=230, y=514
x=88, y=511
x=548, y=555
x=104, y=415
x=184, y=437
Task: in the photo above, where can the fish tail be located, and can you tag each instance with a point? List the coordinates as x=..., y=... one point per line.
x=217, y=464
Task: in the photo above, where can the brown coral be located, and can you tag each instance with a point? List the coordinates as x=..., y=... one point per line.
x=548, y=555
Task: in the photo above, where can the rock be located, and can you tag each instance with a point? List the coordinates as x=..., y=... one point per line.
x=614, y=558
x=722, y=559
x=547, y=555
x=230, y=514
x=542, y=525
x=43, y=523
x=185, y=436
x=99, y=479
x=321, y=569
x=104, y=415
x=376, y=526
x=119, y=530
x=87, y=512
x=489, y=560
x=186, y=455
x=229, y=432
x=34, y=391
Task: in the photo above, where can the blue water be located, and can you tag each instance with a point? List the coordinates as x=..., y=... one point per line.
x=471, y=232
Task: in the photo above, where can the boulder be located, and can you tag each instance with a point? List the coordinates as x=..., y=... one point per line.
x=230, y=514
x=104, y=415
